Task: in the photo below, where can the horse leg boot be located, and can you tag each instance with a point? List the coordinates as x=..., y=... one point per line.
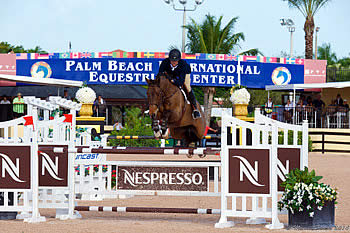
x=195, y=113
x=155, y=128
x=164, y=128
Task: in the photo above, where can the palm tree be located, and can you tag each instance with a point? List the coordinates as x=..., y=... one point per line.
x=37, y=49
x=211, y=37
x=308, y=8
x=325, y=53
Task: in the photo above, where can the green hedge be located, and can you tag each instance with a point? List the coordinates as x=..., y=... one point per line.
x=135, y=125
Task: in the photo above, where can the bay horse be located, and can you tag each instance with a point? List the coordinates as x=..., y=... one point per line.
x=168, y=105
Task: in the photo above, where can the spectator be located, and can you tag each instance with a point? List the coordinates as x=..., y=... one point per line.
x=100, y=106
x=345, y=104
x=288, y=111
x=339, y=100
x=269, y=107
x=318, y=104
x=5, y=100
x=117, y=126
x=18, y=106
x=66, y=96
x=10, y=51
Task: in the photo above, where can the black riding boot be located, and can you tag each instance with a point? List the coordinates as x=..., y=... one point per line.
x=195, y=114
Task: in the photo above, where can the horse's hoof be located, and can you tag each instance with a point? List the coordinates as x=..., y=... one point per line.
x=202, y=156
x=189, y=155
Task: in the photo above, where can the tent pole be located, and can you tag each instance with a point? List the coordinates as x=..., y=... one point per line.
x=294, y=106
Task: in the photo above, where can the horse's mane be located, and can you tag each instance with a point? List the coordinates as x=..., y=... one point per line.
x=159, y=76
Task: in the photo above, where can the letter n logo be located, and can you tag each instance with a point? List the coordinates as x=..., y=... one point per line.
x=50, y=166
x=10, y=168
x=246, y=169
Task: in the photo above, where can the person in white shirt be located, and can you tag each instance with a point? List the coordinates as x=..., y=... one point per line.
x=117, y=126
x=269, y=107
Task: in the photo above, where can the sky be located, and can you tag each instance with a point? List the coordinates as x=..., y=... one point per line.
x=154, y=26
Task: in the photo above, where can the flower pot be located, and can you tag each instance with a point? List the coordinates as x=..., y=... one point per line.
x=86, y=110
x=240, y=110
x=322, y=219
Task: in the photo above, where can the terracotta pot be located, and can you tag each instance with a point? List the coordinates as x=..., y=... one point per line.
x=240, y=110
x=86, y=110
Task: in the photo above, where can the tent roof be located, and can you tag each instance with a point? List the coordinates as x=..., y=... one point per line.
x=106, y=91
x=41, y=81
x=307, y=86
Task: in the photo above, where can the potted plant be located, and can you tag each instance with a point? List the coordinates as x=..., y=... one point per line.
x=310, y=204
x=240, y=98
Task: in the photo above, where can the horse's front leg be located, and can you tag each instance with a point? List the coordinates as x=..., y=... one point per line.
x=164, y=125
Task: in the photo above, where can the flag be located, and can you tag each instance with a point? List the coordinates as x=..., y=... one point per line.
x=28, y=121
x=189, y=56
x=43, y=56
x=54, y=55
x=229, y=57
x=271, y=59
x=22, y=56
x=299, y=61
x=291, y=61
x=211, y=56
x=220, y=57
x=64, y=55
x=281, y=60
x=86, y=55
x=201, y=56
x=104, y=55
x=130, y=54
x=261, y=59
x=75, y=55
x=33, y=56
x=149, y=55
x=249, y=58
x=140, y=55
x=68, y=118
x=159, y=55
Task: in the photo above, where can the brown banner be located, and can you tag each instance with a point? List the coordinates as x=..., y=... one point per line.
x=289, y=158
x=249, y=171
x=15, y=167
x=53, y=167
x=162, y=178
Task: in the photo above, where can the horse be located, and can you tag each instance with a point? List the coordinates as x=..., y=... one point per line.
x=168, y=105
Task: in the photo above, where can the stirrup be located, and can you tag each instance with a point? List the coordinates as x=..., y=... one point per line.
x=196, y=114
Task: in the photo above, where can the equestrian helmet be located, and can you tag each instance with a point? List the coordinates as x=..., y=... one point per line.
x=174, y=55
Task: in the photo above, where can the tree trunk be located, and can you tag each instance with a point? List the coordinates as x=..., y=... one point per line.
x=309, y=37
x=211, y=91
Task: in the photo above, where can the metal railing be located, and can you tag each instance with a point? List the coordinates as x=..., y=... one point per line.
x=338, y=74
x=328, y=117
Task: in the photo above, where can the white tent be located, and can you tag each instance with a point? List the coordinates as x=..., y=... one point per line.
x=41, y=81
x=295, y=87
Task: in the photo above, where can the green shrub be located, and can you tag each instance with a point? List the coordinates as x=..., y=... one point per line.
x=135, y=125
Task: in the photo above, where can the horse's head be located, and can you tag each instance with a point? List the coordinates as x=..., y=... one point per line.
x=153, y=96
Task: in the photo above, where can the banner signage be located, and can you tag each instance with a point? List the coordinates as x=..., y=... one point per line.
x=135, y=71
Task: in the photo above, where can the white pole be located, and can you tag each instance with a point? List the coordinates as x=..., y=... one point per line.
x=291, y=43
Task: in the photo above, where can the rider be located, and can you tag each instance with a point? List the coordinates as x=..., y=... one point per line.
x=180, y=71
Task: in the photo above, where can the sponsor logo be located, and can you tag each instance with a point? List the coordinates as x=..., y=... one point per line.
x=250, y=172
x=11, y=168
x=48, y=165
x=163, y=178
x=281, y=76
x=41, y=70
